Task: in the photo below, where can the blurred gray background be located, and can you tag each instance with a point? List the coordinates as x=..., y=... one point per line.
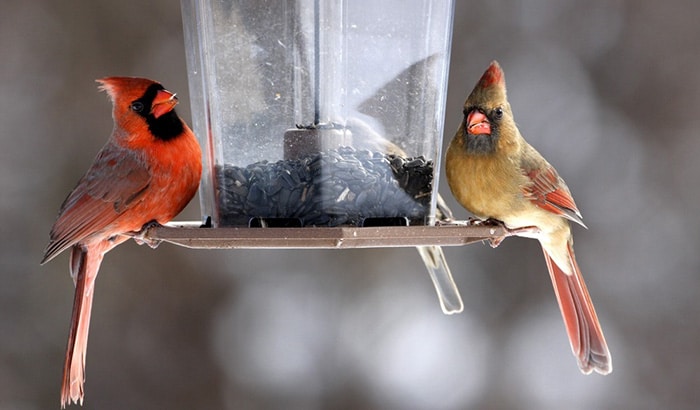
x=606, y=90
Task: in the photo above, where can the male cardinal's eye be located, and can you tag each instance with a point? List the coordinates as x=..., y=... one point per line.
x=137, y=106
x=498, y=113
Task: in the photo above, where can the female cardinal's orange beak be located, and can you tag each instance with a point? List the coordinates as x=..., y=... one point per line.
x=163, y=103
x=478, y=123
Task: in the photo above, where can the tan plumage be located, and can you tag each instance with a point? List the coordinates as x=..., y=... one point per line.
x=494, y=173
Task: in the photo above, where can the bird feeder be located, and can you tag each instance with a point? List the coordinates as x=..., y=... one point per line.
x=324, y=118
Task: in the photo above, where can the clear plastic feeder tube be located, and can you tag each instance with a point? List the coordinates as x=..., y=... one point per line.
x=318, y=113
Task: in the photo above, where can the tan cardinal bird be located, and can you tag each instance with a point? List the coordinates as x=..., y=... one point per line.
x=146, y=174
x=495, y=174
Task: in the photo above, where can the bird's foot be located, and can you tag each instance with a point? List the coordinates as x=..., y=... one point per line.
x=141, y=238
x=527, y=231
x=494, y=242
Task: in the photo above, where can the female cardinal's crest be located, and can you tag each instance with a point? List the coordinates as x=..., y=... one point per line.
x=493, y=75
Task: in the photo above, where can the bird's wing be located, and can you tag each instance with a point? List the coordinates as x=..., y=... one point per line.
x=116, y=181
x=547, y=190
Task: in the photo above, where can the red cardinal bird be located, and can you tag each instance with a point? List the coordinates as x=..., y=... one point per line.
x=146, y=173
x=494, y=173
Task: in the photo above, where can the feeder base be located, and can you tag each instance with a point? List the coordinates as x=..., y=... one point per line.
x=192, y=235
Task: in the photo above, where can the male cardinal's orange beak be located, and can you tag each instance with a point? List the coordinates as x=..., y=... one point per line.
x=478, y=123
x=163, y=103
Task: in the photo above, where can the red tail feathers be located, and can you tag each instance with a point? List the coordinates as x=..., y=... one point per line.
x=85, y=263
x=582, y=326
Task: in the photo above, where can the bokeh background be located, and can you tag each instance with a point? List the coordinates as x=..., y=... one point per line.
x=606, y=90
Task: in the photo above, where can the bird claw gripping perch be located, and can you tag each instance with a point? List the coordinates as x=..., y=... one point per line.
x=141, y=237
x=527, y=231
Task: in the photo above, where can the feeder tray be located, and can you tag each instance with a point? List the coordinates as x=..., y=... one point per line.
x=192, y=235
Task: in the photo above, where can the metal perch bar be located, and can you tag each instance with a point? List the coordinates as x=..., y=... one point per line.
x=191, y=235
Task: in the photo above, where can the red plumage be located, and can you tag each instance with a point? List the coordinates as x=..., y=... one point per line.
x=147, y=172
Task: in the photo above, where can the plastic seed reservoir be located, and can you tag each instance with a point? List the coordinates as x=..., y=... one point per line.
x=318, y=113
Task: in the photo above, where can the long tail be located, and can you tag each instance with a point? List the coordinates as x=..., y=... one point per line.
x=582, y=325
x=434, y=259
x=84, y=265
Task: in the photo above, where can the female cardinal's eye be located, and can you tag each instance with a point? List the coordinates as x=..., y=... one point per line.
x=137, y=106
x=498, y=113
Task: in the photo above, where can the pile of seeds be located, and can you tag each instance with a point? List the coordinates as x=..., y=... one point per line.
x=330, y=188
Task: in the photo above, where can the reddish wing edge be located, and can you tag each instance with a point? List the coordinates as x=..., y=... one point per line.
x=116, y=180
x=549, y=192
